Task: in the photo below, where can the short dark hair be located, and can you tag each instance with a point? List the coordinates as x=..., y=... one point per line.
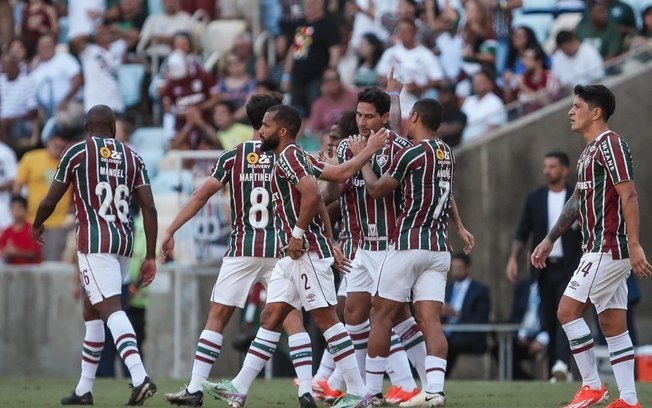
x=598, y=96
x=430, y=111
x=561, y=156
x=288, y=117
x=19, y=199
x=563, y=37
x=347, y=124
x=376, y=97
x=462, y=257
x=258, y=105
x=228, y=105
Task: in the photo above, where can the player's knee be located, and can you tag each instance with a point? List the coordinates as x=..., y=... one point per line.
x=324, y=319
x=293, y=323
x=271, y=318
x=218, y=317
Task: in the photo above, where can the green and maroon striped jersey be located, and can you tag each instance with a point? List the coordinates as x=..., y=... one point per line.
x=425, y=172
x=292, y=165
x=248, y=171
x=104, y=174
x=376, y=217
x=350, y=234
x=604, y=163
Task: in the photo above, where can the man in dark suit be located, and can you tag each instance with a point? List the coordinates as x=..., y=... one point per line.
x=542, y=208
x=467, y=301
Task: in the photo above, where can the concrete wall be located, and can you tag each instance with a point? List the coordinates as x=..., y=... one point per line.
x=494, y=176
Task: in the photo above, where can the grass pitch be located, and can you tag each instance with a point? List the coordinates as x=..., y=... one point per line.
x=279, y=393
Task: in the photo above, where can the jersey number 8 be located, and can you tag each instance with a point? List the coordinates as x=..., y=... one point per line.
x=258, y=214
x=119, y=199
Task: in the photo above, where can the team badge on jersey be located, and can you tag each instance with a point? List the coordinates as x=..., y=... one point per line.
x=382, y=160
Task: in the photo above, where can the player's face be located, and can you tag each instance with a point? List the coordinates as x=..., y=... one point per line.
x=553, y=170
x=368, y=119
x=580, y=115
x=269, y=133
x=334, y=137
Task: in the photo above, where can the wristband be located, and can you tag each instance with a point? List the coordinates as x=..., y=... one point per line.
x=297, y=232
x=393, y=93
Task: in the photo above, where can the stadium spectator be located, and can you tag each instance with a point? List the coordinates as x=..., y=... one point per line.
x=127, y=18
x=204, y=8
x=575, y=61
x=84, y=16
x=442, y=16
x=521, y=39
x=8, y=168
x=38, y=17
x=185, y=88
x=623, y=15
x=537, y=86
x=466, y=302
x=453, y=120
x=334, y=100
x=101, y=62
x=369, y=53
x=21, y=53
x=449, y=50
x=292, y=16
x=480, y=45
x=542, y=208
x=316, y=46
x=500, y=16
x=16, y=245
x=236, y=85
x=407, y=10
x=644, y=36
x=35, y=171
x=18, y=108
x=414, y=64
x=364, y=14
x=484, y=110
x=157, y=35
x=58, y=80
x=598, y=30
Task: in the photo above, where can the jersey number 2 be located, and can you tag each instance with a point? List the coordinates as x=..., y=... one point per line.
x=258, y=214
x=118, y=198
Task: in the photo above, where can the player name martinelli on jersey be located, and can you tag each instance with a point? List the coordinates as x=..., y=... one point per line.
x=112, y=172
x=265, y=177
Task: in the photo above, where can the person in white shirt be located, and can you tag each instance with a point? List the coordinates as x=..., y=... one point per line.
x=484, y=110
x=58, y=80
x=84, y=16
x=17, y=102
x=576, y=62
x=414, y=65
x=100, y=64
x=8, y=168
x=157, y=35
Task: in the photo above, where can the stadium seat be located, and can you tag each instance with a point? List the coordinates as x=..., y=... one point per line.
x=130, y=81
x=538, y=6
x=173, y=181
x=151, y=144
x=538, y=22
x=154, y=6
x=218, y=36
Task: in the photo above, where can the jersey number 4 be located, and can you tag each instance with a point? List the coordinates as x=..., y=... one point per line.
x=119, y=198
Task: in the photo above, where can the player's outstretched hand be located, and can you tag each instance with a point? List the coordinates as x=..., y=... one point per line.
x=540, y=253
x=393, y=84
x=342, y=264
x=295, y=248
x=167, y=247
x=377, y=140
x=37, y=234
x=640, y=265
x=467, y=238
x=357, y=144
x=147, y=272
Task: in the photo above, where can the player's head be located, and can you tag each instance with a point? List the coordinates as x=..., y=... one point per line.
x=258, y=105
x=100, y=121
x=555, y=167
x=460, y=266
x=18, y=206
x=427, y=113
x=372, y=110
x=281, y=122
x=592, y=103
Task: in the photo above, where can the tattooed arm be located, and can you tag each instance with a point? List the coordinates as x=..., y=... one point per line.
x=566, y=219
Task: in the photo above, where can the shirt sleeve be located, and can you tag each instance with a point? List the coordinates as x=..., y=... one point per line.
x=142, y=178
x=294, y=166
x=318, y=166
x=617, y=159
x=67, y=163
x=343, y=152
x=224, y=166
x=401, y=164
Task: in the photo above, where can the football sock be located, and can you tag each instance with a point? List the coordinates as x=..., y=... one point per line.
x=90, y=356
x=341, y=347
x=326, y=366
x=398, y=366
x=300, y=349
x=336, y=380
x=125, y=344
x=208, y=350
x=375, y=374
x=581, y=344
x=259, y=353
x=621, y=354
x=414, y=345
x=436, y=371
x=360, y=335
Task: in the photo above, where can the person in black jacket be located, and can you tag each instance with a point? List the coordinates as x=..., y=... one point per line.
x=542, y=208
x=467, y=302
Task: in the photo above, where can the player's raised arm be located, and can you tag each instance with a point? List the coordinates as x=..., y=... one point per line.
x=46, y=208
x=348, y=169
x=197, y=201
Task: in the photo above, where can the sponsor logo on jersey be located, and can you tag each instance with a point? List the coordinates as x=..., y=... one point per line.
x=110, y=156
x=574, y=285
x=105, y=152
x=584, y=185
x=442, y=155
x=252, y=158
x=444, y=174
